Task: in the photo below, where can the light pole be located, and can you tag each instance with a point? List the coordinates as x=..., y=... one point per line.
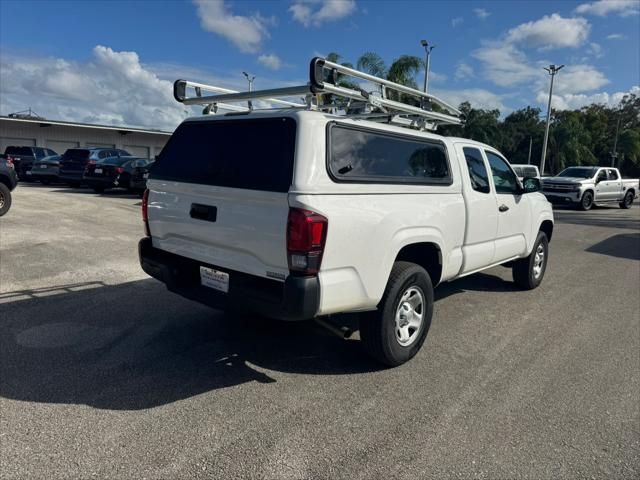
x=552, y=69
x=250, y=80
x=427, y=49
x=614, y=154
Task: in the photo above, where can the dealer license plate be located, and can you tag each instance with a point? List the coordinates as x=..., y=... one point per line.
x=214, y=279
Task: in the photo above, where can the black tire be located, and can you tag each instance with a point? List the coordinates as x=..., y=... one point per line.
x=5, y=199
x=524, y=270
x=98, y=189
x=45, y=182
x=74, y=184
x=586, y=202
x=627, y=201
x=378, y=328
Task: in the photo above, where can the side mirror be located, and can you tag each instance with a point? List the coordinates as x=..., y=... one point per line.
x=531, y=184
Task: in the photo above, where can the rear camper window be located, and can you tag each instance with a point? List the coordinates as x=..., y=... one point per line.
x=359, y=155
x=253, y=154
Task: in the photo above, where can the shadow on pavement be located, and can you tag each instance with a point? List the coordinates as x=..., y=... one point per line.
x=624, y=245
x=136, y=346
x=600, y=217
x=479, y=282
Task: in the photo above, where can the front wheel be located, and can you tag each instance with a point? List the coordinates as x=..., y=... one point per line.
x=529, y=272
x=627, y=200
x=394, y=333
x=587, y=201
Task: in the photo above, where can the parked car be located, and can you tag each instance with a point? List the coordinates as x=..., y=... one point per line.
x=584, y=187
x=75, y=160
x=47, y=169
x=24, y=157
x=140, y=175
x=524, y=170
x=116, y=172
x=297, y=214
x=8, y=182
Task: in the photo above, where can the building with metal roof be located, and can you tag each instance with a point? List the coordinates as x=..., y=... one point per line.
x=60, y=135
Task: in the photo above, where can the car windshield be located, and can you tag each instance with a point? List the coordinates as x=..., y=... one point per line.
x=18, y=151
x=578, y=172
x=76, y=154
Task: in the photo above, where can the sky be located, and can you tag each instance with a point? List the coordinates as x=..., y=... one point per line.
x=114, y=62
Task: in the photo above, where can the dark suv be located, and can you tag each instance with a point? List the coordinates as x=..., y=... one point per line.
x=24, y=157
x=75, y=160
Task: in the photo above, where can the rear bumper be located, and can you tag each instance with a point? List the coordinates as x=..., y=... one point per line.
x=297, y=298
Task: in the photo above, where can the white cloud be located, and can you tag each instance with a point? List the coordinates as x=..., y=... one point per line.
x=481, y=13
x=574, y=79
x=504, y=64
x=463, y=71
x=595, y=50
x=271, y=61
x=477, y=97
x=317, y=12
x=602, y=8
x=616, y=36
x=551, y=31
x=112, y=88
x=456, y=21
x=246, y=33
x=575, y=101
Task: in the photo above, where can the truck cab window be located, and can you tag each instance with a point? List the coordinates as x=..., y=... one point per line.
x=504, y=179
x=477, y=170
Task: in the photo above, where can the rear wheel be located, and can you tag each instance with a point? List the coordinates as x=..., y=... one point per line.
x=74, y=184
x=529, y=272
x=5, y=199
x=627, y=200
x=394, y=333
x=587, y=201
x=45, y=181
x=98, y=189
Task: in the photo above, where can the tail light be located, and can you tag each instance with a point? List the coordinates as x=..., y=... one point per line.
x=306, y=236
x=10, y=162
x=119, y=169
x=145, y=213
x=91, y=162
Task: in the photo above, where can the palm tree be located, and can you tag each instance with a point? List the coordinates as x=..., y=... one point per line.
x=403, y=70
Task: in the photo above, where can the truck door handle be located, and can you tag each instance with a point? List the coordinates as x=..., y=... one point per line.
x=203, y=212
x=503, y=208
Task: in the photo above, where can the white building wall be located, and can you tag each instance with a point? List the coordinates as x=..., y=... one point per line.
x=60, y=137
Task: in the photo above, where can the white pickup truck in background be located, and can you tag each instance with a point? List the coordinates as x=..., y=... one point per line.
x=587, y=186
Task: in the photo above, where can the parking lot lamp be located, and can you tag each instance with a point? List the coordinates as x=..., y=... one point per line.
x=552, y=69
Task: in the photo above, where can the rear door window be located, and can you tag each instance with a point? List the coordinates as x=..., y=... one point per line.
x=253, y=154
x=477, y=170
x=360, y=155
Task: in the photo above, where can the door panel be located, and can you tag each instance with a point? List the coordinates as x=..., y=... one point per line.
x=482, y=213
x=514, y=211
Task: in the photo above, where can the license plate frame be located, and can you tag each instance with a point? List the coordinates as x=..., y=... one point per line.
x=215, y=279
x=98, y=171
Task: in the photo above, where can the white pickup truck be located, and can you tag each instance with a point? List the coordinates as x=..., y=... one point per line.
x=298, y=213
x=587, y=186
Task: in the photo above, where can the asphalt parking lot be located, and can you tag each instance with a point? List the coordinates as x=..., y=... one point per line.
x=103, y=373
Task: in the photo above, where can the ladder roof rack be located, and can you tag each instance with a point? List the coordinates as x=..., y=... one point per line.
x=334, y=88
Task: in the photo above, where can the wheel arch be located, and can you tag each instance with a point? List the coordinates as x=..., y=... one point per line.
x=427, y=254
x=547, y=227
